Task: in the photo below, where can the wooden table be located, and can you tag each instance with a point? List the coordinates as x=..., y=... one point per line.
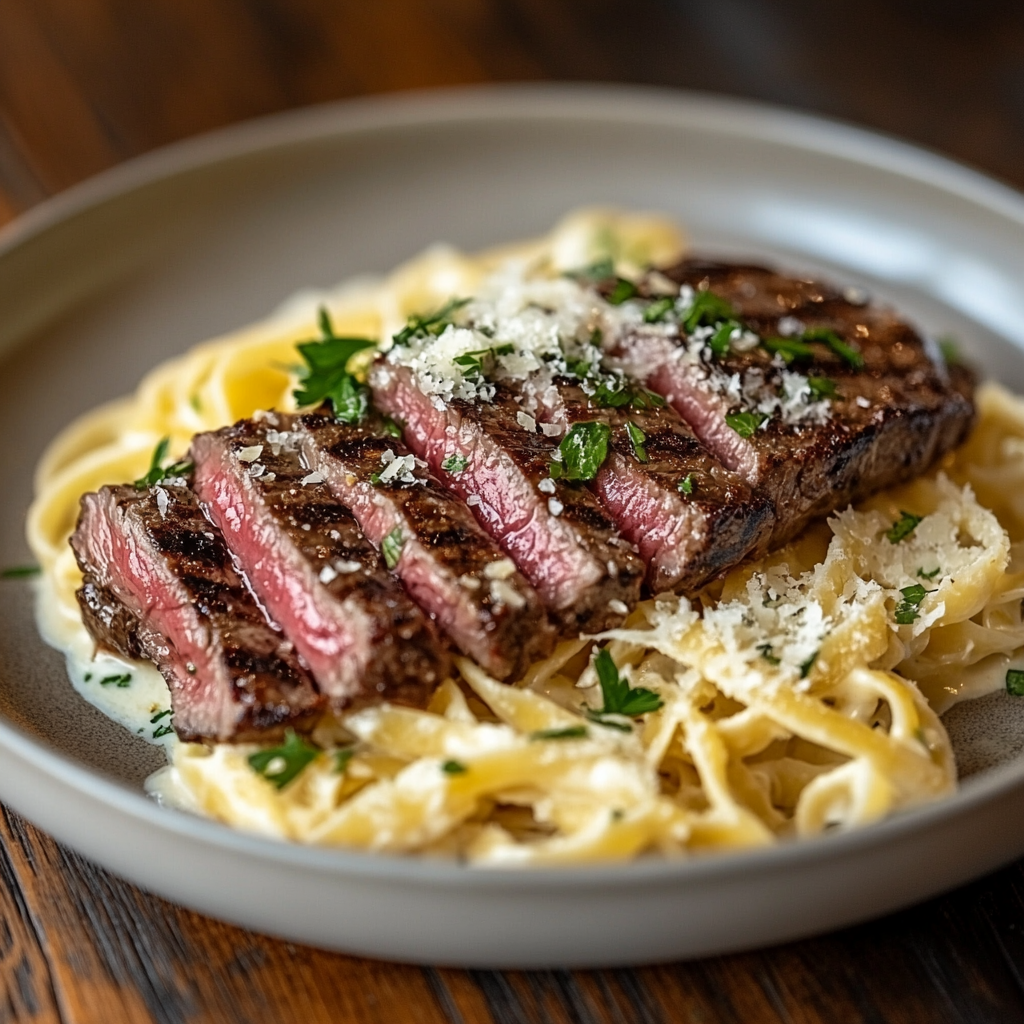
x=85, y=84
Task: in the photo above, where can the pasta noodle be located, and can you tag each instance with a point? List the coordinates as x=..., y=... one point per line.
x=791, y=699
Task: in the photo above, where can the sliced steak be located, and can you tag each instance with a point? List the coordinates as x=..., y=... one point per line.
x=556, y=532
x=690, y=517
x=764, y=408
x=432, y=542
x=160, y=582
x=313, y=570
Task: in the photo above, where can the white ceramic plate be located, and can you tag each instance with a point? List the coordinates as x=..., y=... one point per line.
x=112, y=277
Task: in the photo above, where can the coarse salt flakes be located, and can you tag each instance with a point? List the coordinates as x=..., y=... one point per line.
x=555, y=507
x=316, y=477
x=250, y=454
x=546, y=486
x=500, y=570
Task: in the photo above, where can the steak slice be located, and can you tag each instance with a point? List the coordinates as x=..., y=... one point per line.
x=313, y=570
x=159, y=582
x=556, y=532
x=432, y=542
x=689, y=516
x=764, y=408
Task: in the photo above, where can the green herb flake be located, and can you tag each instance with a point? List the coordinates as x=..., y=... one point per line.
x=685, y=485
x=583, y=451
x=121, y=681
x=720, y=341
x=767, y=653
x=342, y=758
x=429, y=325
x=163, y=730
x=599, y=270
x=745, y=423
x=20, y=572
x=791, y=349
x=478, y=364
x=325, y=376
x=707, y=310
x=621, y=291
x=455, y=463
x=391, y=547
x=454, y=768
x=619, y=697
x=572, y=732
x=391, y=427
x=279, y=765
x=160, y=714
x=843, y=349
x=196, y=402
x=806, y=666
x=907, y=611
x=950, y=349
x=929, y=575
x=821, y=387
x=637, y=438
x=903, y=527
x=1015, y=682
x=659, y=309
x=157, y=471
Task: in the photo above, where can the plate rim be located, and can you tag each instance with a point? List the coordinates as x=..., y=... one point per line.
x=533, y=102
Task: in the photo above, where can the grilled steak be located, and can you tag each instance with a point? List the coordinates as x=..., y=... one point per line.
x=313, y=570
x=159, y=581
x=814, y=397
x=432, y=542
x=557, y=533
x=689, y=516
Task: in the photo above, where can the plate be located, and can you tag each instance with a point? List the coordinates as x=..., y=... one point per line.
x=103, y=282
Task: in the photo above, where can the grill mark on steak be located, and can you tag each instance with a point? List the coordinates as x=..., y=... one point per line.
x=313, y=570
x=445, y=560
x=159, y=582
x=562, y=540
x=686, y=539
x=908, y=413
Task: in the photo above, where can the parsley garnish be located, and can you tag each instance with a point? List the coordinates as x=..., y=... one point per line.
x=279, y=765
x=342, y=758
x=475, y=365
x=789, y=348
x=391, y=427
x=160, y=714
x=841, y=348
x=658, y=309
x=163, y=730
x=572, y=732
x=685, y=485
x=719, y=341
x=616, y=392
x=157, y=472
x=429, y=325
x=637, y=438
x=950, y=349
x=621, y=291
x=745, y=423
x=766, y=653
x=123, y=680
x=454, y=768
x=599, y=270
x=455, y=463
x=929, y=575
x=707, y=310
x=1015, y=682
x=903, y=527
x=326, y=375
x=619, y=697
x=806, y=666
x=821, y=387
x=583, y=452
x=20, y=572
x=908, y=609
x=391, y=547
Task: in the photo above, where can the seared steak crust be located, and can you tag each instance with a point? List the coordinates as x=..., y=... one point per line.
x=314, y=571
x=448, y=564
x=561, y=538
x=159, y=581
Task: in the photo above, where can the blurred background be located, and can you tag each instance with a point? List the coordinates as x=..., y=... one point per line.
x=85, y=84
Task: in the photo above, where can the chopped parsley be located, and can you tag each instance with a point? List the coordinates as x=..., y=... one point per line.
x=707, y=310
x=903, y=527
x=583, y=451
x=122, y=680
x=659, y=309
x=599, y=270
x=429, y=325
x=745, y=423
x=821, y=387
x=806, y=666
x=279, y=765
x=637, y=438
x=326, y=377
x=767, y=653
x=719, y=341
x=20, y=572
x=619, y=697
x=1015, y=682
x=929, y=575
x=476, y=365
x=196, y=402
x=342, y=758
x=686, y=485
x=572, y=732
x=950, y=349
x=391, y=547
x=617, y=392
x=791, y=349
x=160, y=714
x=844, y=350
x=621, y=291
x=157, y=471
x=391, y=427
x=162, y=730
x=455, y=463
x=454, y=768
x=908, y=610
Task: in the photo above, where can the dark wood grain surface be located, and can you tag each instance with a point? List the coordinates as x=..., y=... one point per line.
x=85, y=84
